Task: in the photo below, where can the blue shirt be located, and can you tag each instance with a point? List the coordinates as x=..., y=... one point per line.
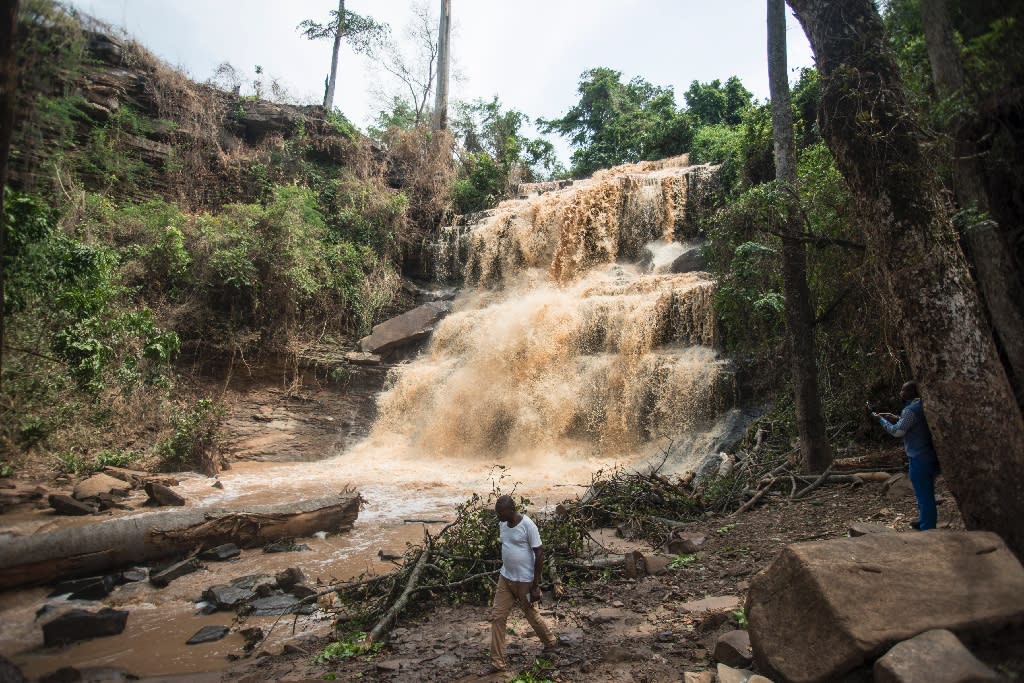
x=913, y=429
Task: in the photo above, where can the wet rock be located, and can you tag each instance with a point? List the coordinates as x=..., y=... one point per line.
x=217, y=484
x=404, y=329
x=99, y=484
x=276, y=605
x=288, y=578
x=714, y=604
x=9, y=673
x=285, y=545
x=685, y=542
x=221, y=552
x=138, y=478
x=571, y=637
x=208, y=634
x=689, y=261
x=66, y=505
x=935, y=655
x=864, y=528
x=175, y=571
x=98, y=674
x=133, y=575
x=733, y=649
x=80, y=624
x=255, y=582
x=861, y=595
x=162, y=495
x=301, y=591
x=91, y=588
x=227, y=597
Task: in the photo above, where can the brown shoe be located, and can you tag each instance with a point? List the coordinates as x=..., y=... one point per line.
x=552, y=646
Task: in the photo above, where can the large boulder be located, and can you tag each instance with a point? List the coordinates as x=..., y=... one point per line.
x=932, y=656
x=824, y=608
x=80, y=624
x=404, y=329
x=99, y=484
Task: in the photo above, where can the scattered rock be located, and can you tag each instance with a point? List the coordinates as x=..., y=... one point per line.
x=404, y=329
x=217, y=484
x=655, y=565
x=685, y=542
x=285, y=545
x=865, y=528
x=221, y=552
x=66, y=505
x=288, y=578
x=571, y=637
x=133, y=575
x=728, y=674
x=162, y=495
x=227, y=597
x=80, y=624
x=276, y=605
x=622, y=653
x=713, y=604
x=713, y=621
x=92, y=674
x=859, y=596
x=362, y=358
x=99, y=484
x=699, y=677
x=301, y=591
x=394, y=665
x=733, y=649
x=91, y=588
x=255, y=582
x=935, y=655
x=175, y=571
x=208, y=634
x=605, y=615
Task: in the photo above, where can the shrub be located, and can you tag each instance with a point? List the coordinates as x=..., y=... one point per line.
x=193, y=441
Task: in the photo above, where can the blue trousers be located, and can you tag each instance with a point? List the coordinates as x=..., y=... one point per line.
x=922, y=478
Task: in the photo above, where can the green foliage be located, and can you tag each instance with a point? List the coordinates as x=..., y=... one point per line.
x=537, y=673
x=740, y=618
x=353, y=644
x=713, y=104
x=72, y=462
x=400, y=114
x=680, y=561
x=616, y=122
x=193, y=439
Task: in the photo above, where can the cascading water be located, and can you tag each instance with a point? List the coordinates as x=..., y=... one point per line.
x=571, y=335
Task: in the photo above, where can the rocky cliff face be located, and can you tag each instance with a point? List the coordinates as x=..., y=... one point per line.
x=133, y=127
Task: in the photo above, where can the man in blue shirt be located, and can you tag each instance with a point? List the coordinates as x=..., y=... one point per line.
x=912, y=427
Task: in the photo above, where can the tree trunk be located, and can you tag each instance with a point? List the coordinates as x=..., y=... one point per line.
x=332, y=80
x=8, y=83
x=441, y=99
x=990, y=255
x=866, y=120
x=810, y=420
x=83, y=550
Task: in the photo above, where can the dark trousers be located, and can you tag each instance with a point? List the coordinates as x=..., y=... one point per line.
x=922, y=478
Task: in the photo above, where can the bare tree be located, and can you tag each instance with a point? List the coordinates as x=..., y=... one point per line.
x=362, y=34
x=444, y=44
x=810, y=419
x=993, y=267
x=413, y=64
x=8, y=83
x=868, y=123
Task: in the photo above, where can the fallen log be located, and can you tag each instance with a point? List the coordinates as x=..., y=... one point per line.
x=83, y=550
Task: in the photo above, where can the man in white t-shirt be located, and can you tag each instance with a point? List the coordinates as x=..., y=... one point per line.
x=522, y=559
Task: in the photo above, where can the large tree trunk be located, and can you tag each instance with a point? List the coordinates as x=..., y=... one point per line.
x=443, y=35
x=810, y=420
x=866, y=120
x=113, y=543
x=993, y=266
x=332, y=80
x=8, y=83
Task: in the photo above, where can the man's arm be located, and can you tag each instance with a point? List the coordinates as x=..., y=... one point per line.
x=902, y=426
x=538, y=567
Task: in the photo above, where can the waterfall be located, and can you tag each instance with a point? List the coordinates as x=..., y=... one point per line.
x=571, y=334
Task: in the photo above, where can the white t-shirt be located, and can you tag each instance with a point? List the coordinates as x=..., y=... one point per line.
x=517, y=544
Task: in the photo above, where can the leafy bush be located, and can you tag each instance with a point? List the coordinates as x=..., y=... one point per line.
x=193, y=441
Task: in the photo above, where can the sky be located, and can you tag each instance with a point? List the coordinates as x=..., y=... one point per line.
x=530, y=53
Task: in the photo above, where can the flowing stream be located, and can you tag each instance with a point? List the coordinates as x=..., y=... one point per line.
x=571, y=348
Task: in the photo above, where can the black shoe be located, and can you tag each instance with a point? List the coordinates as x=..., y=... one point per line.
x=916, y=526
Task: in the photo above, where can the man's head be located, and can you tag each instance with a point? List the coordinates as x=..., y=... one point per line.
x=505, y=508
x=908, y=392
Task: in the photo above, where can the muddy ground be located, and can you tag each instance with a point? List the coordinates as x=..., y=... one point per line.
x=617, y=629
